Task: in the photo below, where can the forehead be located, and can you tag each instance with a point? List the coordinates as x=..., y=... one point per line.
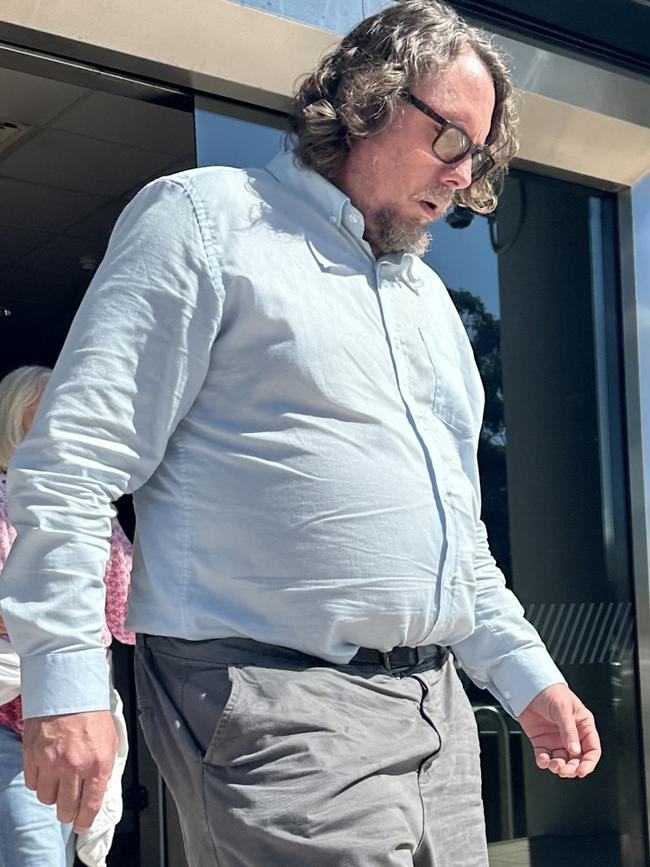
x=463, y=93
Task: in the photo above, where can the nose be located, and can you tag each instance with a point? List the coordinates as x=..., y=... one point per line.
x=458, y=176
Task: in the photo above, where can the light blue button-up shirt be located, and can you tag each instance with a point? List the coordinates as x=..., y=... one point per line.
x=298, y=422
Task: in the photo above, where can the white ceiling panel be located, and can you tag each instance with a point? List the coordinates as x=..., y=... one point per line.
x=34, y=100
x=63, y=255
x=100, y=223
x=131, y=122
x=16, y=242
x=46, y=291
x=62, y=186
x=48, y=209
x=74, y=162
x=185, y=162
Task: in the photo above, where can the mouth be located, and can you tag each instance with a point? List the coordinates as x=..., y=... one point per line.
x=430, y=209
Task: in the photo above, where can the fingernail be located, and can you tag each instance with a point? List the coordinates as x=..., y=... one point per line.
x=574, y=747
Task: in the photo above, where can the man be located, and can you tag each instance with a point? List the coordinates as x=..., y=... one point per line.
x=266, y=363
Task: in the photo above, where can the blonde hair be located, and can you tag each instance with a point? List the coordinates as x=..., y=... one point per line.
x=360, y=85
x=18, y=391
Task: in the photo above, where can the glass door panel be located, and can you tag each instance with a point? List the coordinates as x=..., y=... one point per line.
x=553, y=472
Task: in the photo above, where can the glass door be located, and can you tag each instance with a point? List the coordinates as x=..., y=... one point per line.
x=536, y=286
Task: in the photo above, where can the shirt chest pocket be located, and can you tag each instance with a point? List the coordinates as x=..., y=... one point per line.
x=445, y=382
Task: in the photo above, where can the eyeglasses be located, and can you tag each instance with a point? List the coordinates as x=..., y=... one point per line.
x=452, y=144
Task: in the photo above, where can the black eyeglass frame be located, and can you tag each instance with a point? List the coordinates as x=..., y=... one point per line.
x=444, y=125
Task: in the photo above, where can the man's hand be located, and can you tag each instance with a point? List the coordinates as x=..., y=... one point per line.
x=3, y=628
x=68, y=762
x=562, y=731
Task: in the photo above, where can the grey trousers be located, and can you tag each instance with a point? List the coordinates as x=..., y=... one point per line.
x=275, y=762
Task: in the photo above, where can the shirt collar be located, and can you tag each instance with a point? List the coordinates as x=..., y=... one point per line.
x=310, y=186
x=333, y=204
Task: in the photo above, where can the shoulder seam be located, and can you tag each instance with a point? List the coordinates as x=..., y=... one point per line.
x=189, y=189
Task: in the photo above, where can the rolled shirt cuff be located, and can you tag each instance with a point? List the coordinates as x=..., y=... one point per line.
x=522, y=675
x=58, y=683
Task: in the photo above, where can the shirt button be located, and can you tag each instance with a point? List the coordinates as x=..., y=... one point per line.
x=353, y=218
x=332, y=219
x=507, y=694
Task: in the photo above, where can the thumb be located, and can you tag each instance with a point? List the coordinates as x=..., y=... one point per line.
x=569, y=731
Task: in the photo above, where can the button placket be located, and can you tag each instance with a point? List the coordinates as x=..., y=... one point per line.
x=393, y=314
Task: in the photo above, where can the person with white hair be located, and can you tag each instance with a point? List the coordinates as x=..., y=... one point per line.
x=30, y=833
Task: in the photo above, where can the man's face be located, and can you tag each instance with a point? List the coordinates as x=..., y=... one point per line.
x=396, y=180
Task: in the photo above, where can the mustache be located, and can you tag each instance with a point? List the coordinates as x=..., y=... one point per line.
x=440, y=196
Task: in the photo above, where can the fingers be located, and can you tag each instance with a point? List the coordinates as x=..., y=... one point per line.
x=92, y=795
x=558, y=761
x=77, y=799
x=30, y=769
x=563, y=733
x=68, y=761
x=590, y=758
x=570, y=770
x=542, y=760
x=47, y=789
x=591, y=749
x=585, y=768
x=68, y=797
x=562, y=765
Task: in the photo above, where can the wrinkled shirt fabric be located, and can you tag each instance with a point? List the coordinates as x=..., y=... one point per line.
x=298, y=422
x=117, y=578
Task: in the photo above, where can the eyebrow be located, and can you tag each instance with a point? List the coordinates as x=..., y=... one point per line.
x=428, y=111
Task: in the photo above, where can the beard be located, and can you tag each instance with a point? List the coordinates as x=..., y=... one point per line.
x=390, y=233
x=387, y=231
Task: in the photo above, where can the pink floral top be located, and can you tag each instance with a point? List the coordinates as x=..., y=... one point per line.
x=117, y=578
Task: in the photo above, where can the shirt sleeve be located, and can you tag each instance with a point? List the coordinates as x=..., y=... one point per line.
x=504, y=653
x=134, y=360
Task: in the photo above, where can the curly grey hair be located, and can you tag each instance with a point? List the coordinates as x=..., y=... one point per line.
x=18, y=391
x=359, y=86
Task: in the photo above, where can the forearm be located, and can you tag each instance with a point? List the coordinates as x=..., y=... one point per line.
x=504, y=654
x=134, y=360
x=47, y=576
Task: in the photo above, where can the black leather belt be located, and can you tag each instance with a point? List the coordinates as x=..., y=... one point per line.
x=402, y=658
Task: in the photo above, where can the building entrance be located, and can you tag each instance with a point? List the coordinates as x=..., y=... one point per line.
x=537, y=288
x=75, y=145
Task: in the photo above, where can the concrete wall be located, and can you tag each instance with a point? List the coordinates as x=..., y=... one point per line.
x=236, y=51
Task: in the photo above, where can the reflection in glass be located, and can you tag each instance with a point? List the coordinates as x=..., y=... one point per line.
x=467, y=263
x=463, y=256
x=222, y=140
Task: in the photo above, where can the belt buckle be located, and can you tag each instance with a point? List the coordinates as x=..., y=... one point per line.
x=394, y=667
